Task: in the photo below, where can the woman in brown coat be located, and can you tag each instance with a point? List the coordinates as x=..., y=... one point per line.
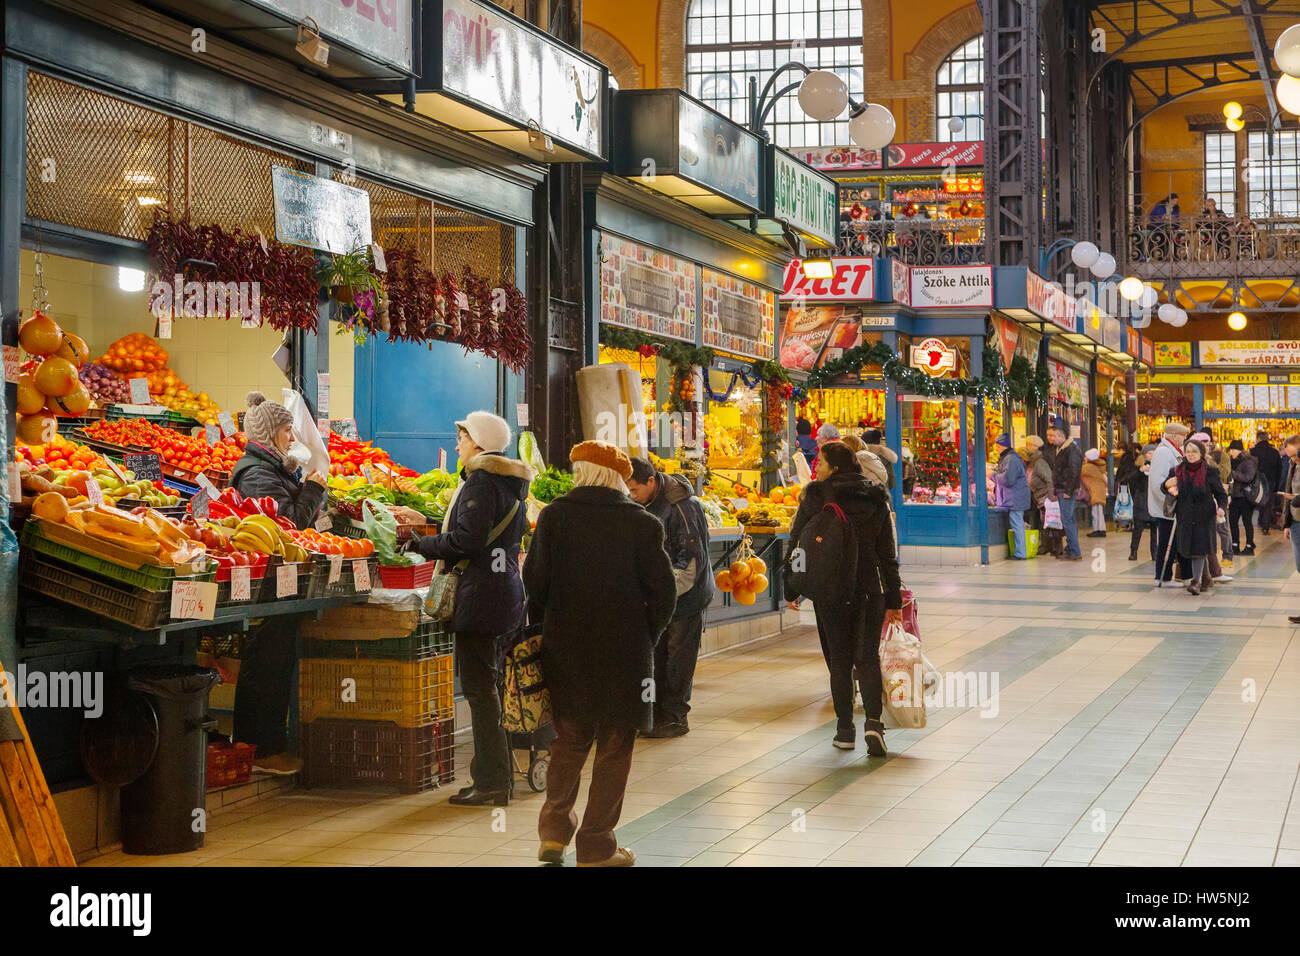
x=1093, y=478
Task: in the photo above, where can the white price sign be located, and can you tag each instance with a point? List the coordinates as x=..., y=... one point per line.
x=286, y=580
x=336, y=568
x=164, y=326
x=140, y=391
x=323, y=394
x=361, y=574
x=227, y=424
x=12, y=363
x=521, y=413
x=211, y=434
x=15, y=482
x=442, y=459
x=194, y=600
x=241, y=584
x=94, y=494
x=204, y=483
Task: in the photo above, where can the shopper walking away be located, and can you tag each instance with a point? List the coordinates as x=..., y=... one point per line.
x=670, y=498
x=1013, y=490
x=1093, y=477
x=1039, y=473
x=1137, y=479
x=1220, y=459
x=1200, y=499
x=1269, y=462
x=484, y=526
x=1290, y=498
x=603, y=589
x=1168, y=453
x=872, y=468
x=850, y=630
x=1245, y=473
x=1066, y=471
x=270, y=653
x=876, y=445
x=803, y=438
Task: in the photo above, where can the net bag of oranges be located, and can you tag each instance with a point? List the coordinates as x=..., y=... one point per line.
x=136, y=352
x=747, y=576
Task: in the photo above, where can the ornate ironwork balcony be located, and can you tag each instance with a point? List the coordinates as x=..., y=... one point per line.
x=917, y=242
x=1213, y=246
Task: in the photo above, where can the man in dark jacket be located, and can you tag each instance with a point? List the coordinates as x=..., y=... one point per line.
x=484, y=526
x=1066, y=469
x=1270, y=463
x=686, y=539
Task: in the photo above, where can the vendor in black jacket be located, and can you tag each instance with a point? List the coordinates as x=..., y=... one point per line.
x=269, y=653
x=686, y=539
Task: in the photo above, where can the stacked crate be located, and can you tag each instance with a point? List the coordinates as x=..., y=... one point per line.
x=376, y=704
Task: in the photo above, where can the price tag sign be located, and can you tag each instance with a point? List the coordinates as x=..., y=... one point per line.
x=15, y=482
x=336, y=568
x=241, y=587
x=323, y=427
x=164, y=326
x=442, y=459
x=345, y=428
x=261, y=240
x=199, y=505
x=324, y=522
x=377, y=253
x=361, y=574
x=94, y=494
x=323, y=394
x=13, y=360
x=369, y=475
x=206, y=485
x=194, y=600
x=121, y=475
x=286, y=580
x=211, y=434
x=146, y=466
x=140, y=391
x=227, y=424
x=521, y=413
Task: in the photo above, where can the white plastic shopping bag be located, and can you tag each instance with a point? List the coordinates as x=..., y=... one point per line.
x=902, y=671
x=1052, y=514
x=306, y=432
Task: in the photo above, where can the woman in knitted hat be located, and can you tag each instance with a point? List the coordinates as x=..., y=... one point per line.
x=602, y=587
x=1093, y=477
x=269, y=654
x=481, y=534
x=266, y=470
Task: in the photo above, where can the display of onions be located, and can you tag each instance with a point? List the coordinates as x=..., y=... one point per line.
x=105, y=385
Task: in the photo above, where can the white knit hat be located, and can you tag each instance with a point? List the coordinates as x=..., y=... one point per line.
x=490, y=432
x=1092, y=454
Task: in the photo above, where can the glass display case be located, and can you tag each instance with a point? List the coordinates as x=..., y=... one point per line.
x=733, y=425
x=931, y=451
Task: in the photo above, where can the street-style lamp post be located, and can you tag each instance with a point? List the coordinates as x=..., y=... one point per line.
x=823, y=95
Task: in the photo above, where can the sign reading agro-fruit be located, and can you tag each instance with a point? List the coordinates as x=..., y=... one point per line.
x=645, y=289
x=738, y=316
x=802, y=197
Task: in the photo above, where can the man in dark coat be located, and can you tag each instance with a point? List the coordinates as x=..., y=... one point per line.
x=481, y=534
x=670, y=498
x=1270, y=462
x=1066, y=469
x=602, y=588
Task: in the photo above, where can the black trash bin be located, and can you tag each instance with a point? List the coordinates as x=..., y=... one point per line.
x=161, y=709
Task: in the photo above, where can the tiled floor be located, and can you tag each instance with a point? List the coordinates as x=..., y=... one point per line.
x=1127, y=726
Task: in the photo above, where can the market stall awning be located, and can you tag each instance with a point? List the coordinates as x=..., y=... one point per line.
x=675, y=145
x=502, y=79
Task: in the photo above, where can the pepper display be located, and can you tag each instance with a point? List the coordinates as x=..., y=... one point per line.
x=348, y=457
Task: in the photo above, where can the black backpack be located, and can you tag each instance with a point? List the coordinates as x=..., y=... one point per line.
x=823, y=563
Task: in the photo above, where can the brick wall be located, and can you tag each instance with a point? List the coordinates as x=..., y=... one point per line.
x=623, y=67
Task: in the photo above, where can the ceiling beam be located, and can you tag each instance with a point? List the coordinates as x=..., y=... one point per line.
x=1256, y=30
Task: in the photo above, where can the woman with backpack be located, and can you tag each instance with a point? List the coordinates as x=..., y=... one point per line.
x=854, y=592
x=1245, y=471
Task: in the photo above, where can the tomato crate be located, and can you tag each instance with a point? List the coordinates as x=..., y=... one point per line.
x=229, y=764
x=370, y=752
x=406, y=577
x=346, y=584
x=40, y=538
x=431, y=639
x=408, y=693
x=139, y=608
x=257, y=587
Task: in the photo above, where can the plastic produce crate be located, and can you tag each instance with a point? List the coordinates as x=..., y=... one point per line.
x=346, y=584
x=407, y=693
x=257, y=583
x=360, y=752
x=406, y=577
x=229, y=764
x=431, y=639
x=361, y=622
x=139, y=608
x=150, y=577
x=309, y=578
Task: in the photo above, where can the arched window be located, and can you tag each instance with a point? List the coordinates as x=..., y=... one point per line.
x=959, y=92
x=727, y=41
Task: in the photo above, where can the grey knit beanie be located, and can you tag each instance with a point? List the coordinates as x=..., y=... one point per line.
x=263, y=419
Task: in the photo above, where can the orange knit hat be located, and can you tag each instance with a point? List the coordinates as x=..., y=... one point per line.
x=605, y=454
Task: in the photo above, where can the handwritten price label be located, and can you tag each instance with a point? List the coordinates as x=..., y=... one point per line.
x=94, y=494
x=199, y=506
x=336, y=568
x=12, y=363
x=361, y=574
x=194, y=600
x=140, y=391
x=241, y=584
x=206, y=485
x=286, y=580
x=164, y=326
x=15, y=482
x=211, y=434
x=442, y=459
x=227, y=424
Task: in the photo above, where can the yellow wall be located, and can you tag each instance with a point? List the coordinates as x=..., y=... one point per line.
x=211, y=355
x=634, y=23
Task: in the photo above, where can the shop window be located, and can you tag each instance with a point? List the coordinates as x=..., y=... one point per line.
x=733, y=427
x=1281, y=176
x=959, y=92
x=646, y=368
x=931, y=451
x=727, y=41
x=1221, y=171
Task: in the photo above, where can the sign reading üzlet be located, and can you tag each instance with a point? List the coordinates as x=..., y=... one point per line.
x=803, y=197
x=498, y=63
x=381, y=29
x=953, y=287
x=319, y=213
x=1235, y=352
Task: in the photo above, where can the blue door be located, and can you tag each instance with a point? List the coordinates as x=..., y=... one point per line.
x=408, y=397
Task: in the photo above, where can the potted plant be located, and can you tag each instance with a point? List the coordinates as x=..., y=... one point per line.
x=350, y=275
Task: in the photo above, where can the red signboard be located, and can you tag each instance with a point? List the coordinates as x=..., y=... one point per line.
x=1133, y=343
x=934, y=155
x=1148, y=351
x=1048, y=300
x=831, y=158
x=1008, y=334
x=853, y=280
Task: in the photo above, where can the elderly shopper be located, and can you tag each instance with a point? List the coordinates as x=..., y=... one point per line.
x=602, y=587
x=1199, y=500
x=1168, y=453
x=1012, y=493
x=1093, y=478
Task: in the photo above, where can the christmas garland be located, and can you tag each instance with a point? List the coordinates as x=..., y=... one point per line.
x=1111, y=407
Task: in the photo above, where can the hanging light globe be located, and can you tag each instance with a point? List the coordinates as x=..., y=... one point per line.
x=823, y=95
x=956, y=124
x=1287, y=50
x=1237, y=321
x=1104, y=267
x=1232, y=110
x=1167, y=313
x=1179, y=320
x=1236, y=124
x=1131, y=288
x=1148, y=298
x=1084, y=254
x=873, y=128
x=1288, y=93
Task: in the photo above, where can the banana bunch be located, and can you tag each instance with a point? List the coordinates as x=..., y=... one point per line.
x=260, y=533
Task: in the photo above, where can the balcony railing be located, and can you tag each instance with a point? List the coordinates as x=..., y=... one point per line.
x=917, y=242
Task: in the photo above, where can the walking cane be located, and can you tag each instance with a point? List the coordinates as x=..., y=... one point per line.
x=1164, y=561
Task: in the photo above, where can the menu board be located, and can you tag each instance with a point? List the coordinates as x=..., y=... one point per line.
x=739, y=317
x=645, y=289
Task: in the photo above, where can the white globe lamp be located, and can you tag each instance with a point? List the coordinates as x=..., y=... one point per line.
x=1167, y=313
x=1179, y=320
x=873, y=128
x=823, y=95
x=1131, y=288
x=1104, y=267
x=956, y=124
x=1084, y=254
x=1237, y=321
x=1287, y=50
x=1148, y=298
x=1288, y=93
